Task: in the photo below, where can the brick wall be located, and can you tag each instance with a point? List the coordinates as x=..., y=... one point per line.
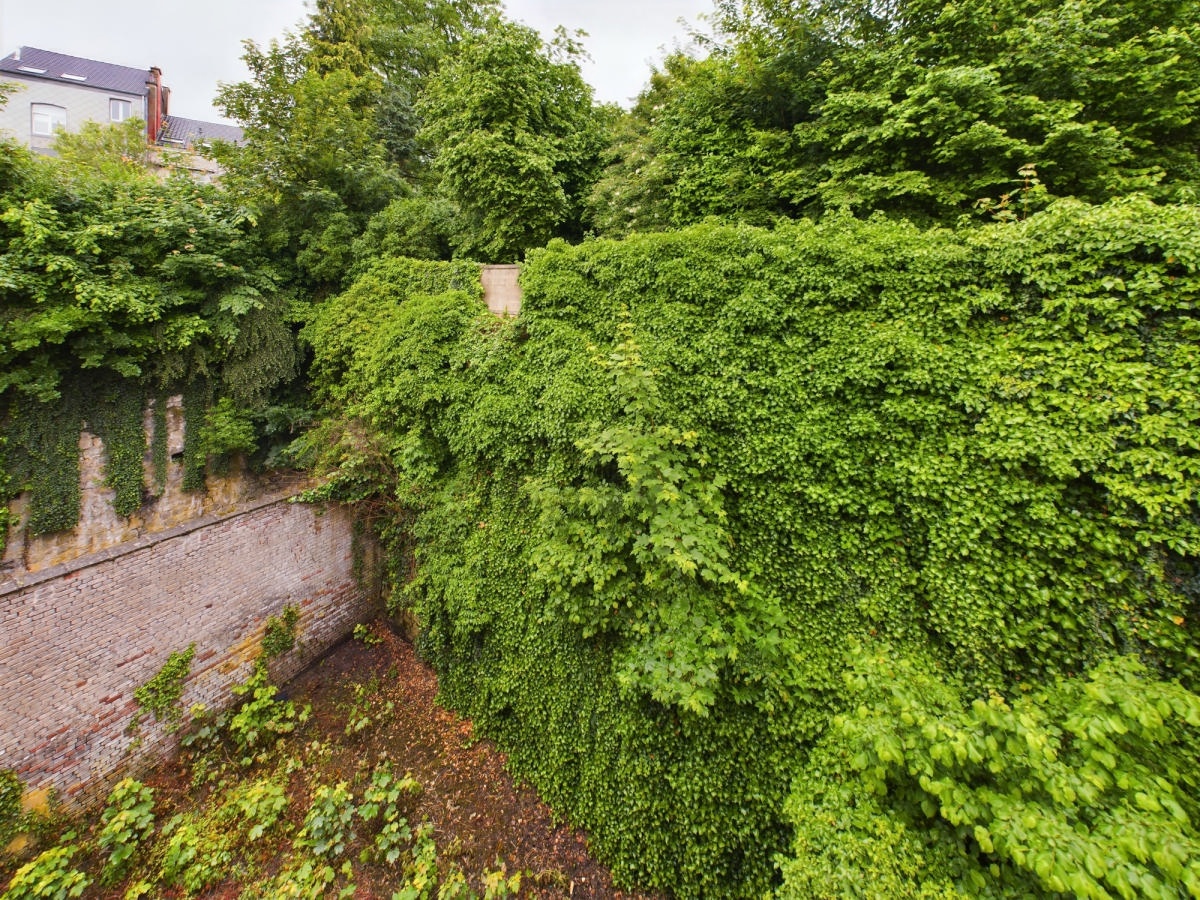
x=77, y=639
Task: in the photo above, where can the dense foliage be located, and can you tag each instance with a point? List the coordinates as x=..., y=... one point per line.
x=518, y=140
x=916, y=107
x=655, y=515
x=440, y=125
x=847, y=555
x=115, y=285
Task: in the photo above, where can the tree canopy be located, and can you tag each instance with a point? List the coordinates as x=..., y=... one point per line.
x=518, y=139
x=917, y=108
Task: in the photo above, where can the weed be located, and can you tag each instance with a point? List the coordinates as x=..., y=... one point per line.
x=498, y=884
x=127, y=820
x=197, y=854
x=329, y=825
x=258, y=805
x=309, y=879
x=50, y=875
x=363, y=712
x=367, y=635
x=420, y=875
x=379, y=801
x=258, y=724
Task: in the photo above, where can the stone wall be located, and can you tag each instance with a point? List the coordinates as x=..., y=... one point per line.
x=76, y=639
x=101, y=528
x=501, y=289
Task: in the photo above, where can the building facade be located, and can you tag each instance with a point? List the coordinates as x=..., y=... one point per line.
x=54, y=91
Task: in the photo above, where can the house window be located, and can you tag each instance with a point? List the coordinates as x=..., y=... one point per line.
x=47, y=119
x=119, y=110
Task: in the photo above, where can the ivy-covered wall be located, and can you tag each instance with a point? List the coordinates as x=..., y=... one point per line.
x=105, y=465
x=715, y=490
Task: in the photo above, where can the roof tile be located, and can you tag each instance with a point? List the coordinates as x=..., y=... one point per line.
x=32, y=62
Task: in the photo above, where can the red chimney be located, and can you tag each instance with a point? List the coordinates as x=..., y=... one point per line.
x=156, y=104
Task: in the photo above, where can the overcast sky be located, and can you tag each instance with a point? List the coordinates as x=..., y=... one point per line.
x=198, y=43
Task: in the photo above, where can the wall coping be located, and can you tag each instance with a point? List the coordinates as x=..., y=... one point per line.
x=15, y=583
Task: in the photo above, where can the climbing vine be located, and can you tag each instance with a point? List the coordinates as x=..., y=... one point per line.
x=652, y=515
x=11, y=815
x=160, y=695
x=116, y=418
x=195, y=402
x=159, y=444
x=279, y=635
x=44, y=459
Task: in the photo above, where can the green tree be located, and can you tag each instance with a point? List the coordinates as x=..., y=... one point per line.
x=694, y=145
x=518, y=139
x=117, y=152
x=311, y=165
x=330, y=124
x=920, y=108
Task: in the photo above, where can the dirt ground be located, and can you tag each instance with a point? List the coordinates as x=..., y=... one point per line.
x=478, y=813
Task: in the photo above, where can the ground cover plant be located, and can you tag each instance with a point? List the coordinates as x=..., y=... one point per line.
x=295, y=797
x=722, y=503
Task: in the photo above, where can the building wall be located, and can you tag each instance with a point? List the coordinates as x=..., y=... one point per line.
x=78, y=639
x=82, y=103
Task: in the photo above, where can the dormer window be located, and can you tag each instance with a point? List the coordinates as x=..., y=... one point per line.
x=119, y=110
x=46, y=119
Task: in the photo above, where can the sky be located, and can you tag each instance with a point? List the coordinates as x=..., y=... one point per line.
x=198, y=43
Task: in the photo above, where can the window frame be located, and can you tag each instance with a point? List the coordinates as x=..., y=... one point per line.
x=125, y=105
x=55, y=115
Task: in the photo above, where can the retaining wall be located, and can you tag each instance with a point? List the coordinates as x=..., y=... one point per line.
x=78, y=638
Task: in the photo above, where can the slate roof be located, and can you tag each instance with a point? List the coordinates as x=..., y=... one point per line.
x=30, y=62
x=177, y=129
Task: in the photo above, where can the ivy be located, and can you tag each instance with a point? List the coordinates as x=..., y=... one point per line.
x=116, y=418
x=159, y=444
x=160, y=695
x=12, y=816
x=651, y=516
x=195, y=402
x=279, y=635
x=226, y=430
